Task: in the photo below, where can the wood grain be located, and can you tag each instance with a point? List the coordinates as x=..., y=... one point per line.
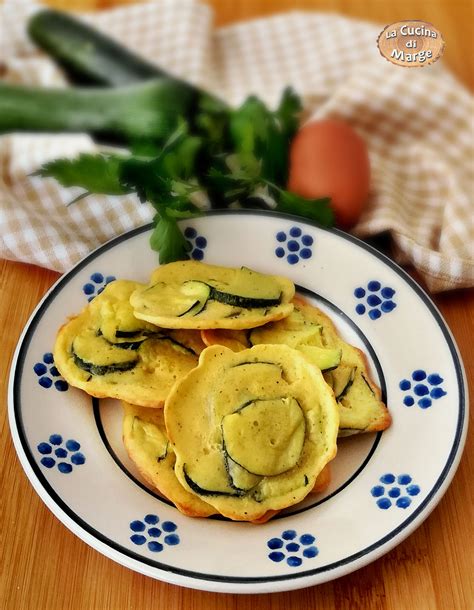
x=44, y=566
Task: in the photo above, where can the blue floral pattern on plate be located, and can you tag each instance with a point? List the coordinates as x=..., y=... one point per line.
x=292, y=547
x=62, y=454
x=294, y=245
x=154, y=534
x=48, y=374
x=96, y=284
x=197, y=243
x=422, y=388
x=394, y=490
x=374, y=299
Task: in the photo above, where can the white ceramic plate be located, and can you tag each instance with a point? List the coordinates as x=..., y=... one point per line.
x=383, y=485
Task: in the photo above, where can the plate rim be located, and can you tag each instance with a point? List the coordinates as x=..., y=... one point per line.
x=189, y=578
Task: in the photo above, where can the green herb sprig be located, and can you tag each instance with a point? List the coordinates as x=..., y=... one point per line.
x=232, y=156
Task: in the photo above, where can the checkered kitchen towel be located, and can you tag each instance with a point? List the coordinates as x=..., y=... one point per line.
x=417, y=122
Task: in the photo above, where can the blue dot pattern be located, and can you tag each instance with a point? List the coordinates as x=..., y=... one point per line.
x=292, y=548
x=422, y=388
x=378, y=491
x=78, y=458
x=375, y=314
x=150, y=529
x=275, y=543
x=374, y=300
x=172, y=539
x=190, y=233
x=294, y=245
x=96, y=284
x=392, y=490
x=196, y=243
x=46, y=370
x=374, y=286
x=155, y=547
x=63, y=455
x=151, y=519
x=154, y=532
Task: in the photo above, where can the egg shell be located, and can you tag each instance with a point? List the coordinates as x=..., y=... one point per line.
x=328, y=158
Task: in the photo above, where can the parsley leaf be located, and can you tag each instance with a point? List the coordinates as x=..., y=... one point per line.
x=261, y=138
x=165, y=182
x=318, y=210
x=168, y=240
x=288, y=113
x=96, y=173
x=153, y=179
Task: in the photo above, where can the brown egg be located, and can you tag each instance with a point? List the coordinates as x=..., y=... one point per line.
x=329, y=159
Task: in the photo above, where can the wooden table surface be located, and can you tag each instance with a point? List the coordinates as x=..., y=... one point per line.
x=45, y=567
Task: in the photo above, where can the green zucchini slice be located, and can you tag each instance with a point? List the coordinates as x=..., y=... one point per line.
x=181, y=347
x=265, y=437
x=240, y=479
x=94, y=354
x=133, y=345
x=252, y=291
x=202, y=491
x=365, y=380
x=151, y=438
x=128, y=334
x=245, y=302
x=324, y=359
x=192, y=295
x=293, y=337
x=341, y=379
x=188, y=299
x=115, y=314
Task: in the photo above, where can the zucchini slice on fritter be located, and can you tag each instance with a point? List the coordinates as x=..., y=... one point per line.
x=251, y=430
x=188, y=294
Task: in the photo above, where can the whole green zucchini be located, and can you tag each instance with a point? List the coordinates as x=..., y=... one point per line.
x=86, y=55
x=147, y=110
